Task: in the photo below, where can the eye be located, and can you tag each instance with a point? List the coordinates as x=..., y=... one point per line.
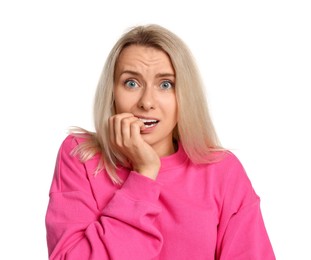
x=166, y=85
x=130, y=84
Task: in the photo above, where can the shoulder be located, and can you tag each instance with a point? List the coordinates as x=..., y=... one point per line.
x=79, y=147
x=227, y=161
x=70, y=172
x=71, y=142
x=68, y=153
x=230, y=173
x=67, y=150
x=238, y=188
x=74, y=145
x=233, y=166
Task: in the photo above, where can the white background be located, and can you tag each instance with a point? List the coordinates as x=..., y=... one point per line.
x=254, y=57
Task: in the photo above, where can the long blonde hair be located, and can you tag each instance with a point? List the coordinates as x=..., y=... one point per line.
x=194, y=129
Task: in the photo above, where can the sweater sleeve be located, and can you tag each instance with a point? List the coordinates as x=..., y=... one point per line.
x=241, y=233
x=77, y=229
x=246, y=236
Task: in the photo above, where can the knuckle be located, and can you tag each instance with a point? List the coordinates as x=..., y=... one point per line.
x=118, y=143
x=125, y=121
x=135, y=126
x=126, y=143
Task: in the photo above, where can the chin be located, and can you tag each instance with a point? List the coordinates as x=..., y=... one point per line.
x=148, y=139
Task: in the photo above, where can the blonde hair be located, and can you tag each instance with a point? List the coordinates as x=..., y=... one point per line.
x=194, y=129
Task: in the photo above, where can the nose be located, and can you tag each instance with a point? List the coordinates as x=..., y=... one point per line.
x=147, y=99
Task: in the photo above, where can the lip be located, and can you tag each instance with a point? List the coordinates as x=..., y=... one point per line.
x=150, y=128
x=147, y=117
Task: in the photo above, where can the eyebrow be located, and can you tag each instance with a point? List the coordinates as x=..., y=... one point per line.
x=159, y=75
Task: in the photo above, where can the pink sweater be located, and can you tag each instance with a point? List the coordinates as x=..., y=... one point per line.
x=190, y=212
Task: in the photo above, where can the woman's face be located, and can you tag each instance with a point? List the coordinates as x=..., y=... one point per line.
x=145, y=86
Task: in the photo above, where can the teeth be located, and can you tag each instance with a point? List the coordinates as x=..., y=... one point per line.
x=148, y=120
x=151, y=125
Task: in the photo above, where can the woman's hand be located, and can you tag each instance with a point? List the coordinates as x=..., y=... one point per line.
x=126, y=138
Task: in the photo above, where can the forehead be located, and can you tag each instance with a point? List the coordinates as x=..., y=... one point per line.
x=143, y=56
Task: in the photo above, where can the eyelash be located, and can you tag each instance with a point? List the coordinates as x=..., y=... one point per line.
x=169, y=82
x=126, y=82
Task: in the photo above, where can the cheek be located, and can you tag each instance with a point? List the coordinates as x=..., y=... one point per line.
x=123, y=103
x=118, y=104
x=120, y=107
x=172, y=110
x=175, y=116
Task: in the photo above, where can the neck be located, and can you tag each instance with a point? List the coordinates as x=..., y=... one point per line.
x=166, y=149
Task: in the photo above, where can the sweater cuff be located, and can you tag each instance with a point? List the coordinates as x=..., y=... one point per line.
x=139, y=187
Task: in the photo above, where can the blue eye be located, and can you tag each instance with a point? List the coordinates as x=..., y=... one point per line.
x=166, y=85
x=131, y=84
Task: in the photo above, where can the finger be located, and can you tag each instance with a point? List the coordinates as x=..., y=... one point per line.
x=136, y=127
x=130, y=126
x=125, y=129
x=116, y=128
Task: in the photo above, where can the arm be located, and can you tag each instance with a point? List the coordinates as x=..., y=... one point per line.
x=241, y=231
x=76, y=229
x=246, y=237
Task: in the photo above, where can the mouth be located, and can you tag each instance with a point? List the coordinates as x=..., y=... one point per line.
x=149, y=122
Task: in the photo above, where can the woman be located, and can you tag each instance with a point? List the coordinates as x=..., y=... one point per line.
x=152, y=182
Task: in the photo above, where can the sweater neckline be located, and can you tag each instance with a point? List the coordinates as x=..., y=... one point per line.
x=174, y=160
x=168, y=163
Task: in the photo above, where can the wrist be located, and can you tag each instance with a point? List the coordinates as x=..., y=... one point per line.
x=151, y=173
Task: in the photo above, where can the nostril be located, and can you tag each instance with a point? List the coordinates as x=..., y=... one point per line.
x=146, y=105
